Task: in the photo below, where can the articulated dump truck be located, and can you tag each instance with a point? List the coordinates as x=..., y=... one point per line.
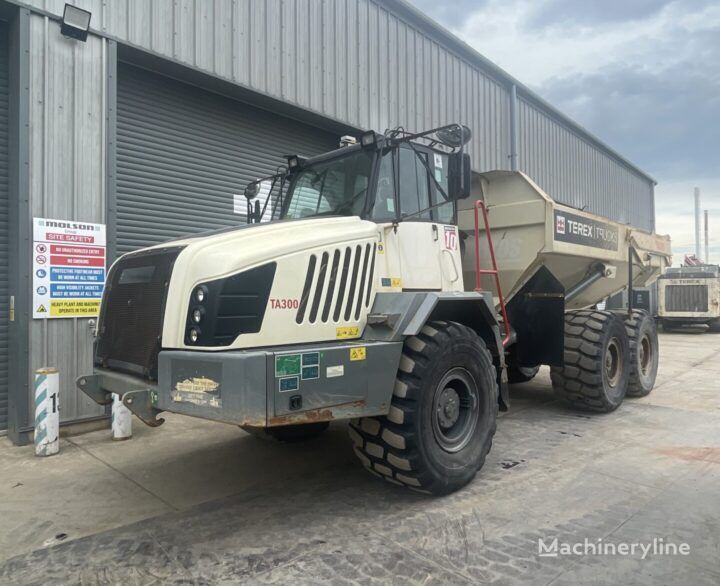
x=389, y=288
x=690, y=296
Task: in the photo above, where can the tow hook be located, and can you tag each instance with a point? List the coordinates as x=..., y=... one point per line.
x=143, y=404
x=90, y=385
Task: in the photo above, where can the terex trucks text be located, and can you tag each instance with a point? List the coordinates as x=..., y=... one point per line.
x=385, y=284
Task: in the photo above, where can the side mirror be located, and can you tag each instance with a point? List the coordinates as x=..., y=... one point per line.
x=251, y=190
x=459, y=176
x=454, y=135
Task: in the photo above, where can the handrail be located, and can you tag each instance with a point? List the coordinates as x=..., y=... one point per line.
x=480, y=205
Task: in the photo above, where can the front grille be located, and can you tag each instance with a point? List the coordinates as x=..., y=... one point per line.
x=339, y=280
x=691, y=298
x=133, y=307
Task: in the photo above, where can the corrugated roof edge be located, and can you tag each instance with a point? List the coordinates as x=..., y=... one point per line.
x=406, y=11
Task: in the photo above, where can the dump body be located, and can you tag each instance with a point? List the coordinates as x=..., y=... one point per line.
x=530, y=230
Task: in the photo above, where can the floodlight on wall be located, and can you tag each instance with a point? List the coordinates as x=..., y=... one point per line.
x=75, y=23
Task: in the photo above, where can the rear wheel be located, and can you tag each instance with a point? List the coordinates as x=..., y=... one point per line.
x=288, y=433
x=644, y=353
x=596, y=366
x=442, y=416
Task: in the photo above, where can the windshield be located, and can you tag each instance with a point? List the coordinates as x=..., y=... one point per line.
x=337, y=187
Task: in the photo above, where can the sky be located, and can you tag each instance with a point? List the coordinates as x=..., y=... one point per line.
x=641, y=75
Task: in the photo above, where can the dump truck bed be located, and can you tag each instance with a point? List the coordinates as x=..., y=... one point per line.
x=529, y=229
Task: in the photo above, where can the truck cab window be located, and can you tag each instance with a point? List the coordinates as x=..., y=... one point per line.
x=414, y=186
x=384, y=207
x=444, y=212
x=334, y=187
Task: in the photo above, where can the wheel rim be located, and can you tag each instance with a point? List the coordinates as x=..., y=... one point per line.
x=613, y=362
x=456, y=404
x=645, y=355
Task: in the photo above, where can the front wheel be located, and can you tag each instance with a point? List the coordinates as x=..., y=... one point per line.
x=442, y=416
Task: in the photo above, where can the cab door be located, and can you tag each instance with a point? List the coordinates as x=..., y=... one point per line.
x=424, y=248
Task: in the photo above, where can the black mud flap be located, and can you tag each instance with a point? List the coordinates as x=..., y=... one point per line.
x=537, y=314
x=504, y=398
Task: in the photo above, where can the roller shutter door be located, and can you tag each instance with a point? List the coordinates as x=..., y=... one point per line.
x=4, y=198
x=182, y=152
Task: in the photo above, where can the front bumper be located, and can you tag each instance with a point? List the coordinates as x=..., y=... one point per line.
x=260, y=388
x=689, y=319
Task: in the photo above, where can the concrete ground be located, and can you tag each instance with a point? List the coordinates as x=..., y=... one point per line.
x=199, y=503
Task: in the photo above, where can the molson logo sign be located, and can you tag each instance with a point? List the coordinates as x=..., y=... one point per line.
x=68, y=225
x=580, y=230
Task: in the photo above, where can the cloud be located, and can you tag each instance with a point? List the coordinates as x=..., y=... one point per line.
x=591, y=12
x=665, y=121
x=642, y=75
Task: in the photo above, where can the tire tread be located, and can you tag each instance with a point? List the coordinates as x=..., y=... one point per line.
x=579, y=381
x=401, y=455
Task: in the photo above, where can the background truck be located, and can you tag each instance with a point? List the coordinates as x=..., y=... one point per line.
x=363, y=299
x=690, y=295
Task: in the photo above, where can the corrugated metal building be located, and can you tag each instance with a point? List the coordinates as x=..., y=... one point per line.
x=172, y=106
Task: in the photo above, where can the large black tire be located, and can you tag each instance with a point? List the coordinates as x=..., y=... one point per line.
x=596, y=367
x=442, y=416
x=644, y=353
x=521, y=374
x=288, y=433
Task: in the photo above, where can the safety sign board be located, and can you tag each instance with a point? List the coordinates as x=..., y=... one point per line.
x=68, y=268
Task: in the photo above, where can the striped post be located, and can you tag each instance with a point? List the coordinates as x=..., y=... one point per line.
x=47, y=412
x=121, y=419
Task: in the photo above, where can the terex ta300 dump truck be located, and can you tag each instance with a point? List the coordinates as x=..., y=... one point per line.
x=690, y=296
x=362, y=299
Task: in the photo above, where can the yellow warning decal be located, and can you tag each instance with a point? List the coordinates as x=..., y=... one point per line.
x=358, y=353
x=342, y=333
x=74, y=307
x=396, y=282
x=41, y=309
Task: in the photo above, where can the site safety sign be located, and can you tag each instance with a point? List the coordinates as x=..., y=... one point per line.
x=68, y=268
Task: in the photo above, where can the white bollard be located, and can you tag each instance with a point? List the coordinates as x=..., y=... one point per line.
x=47, y=411
x=121, y=419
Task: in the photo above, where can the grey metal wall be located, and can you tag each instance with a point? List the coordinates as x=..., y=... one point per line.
x=377, y=64
x=4, y=200
x=183, y=152
x=67, y=170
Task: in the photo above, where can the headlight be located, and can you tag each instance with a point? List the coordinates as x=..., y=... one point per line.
x=194, y=334
x=368, y=138
x=200, y=294
x=197, y=315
